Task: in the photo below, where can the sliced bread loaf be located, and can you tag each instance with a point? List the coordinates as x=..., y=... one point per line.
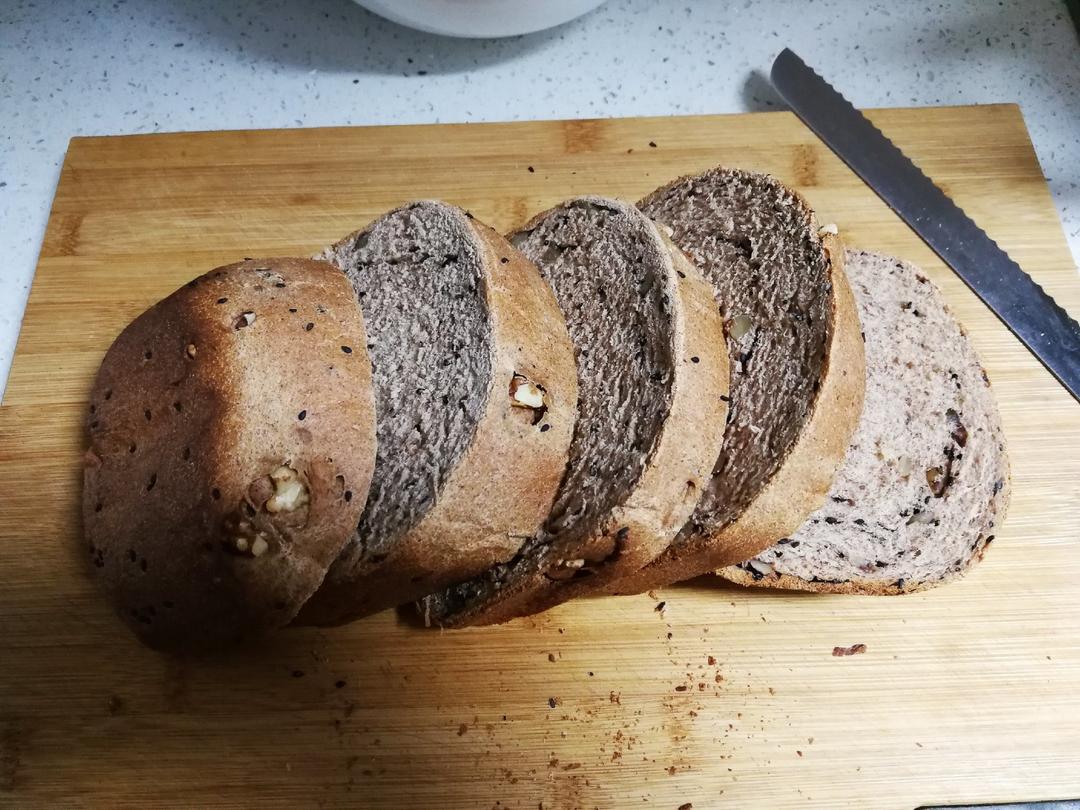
x=232, y=441
x=475, y=391
x=653, y=382
x=797, y=364
x=926, y=477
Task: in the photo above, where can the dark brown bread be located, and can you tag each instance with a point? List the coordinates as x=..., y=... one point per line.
x=232, y=442
x=653, y=383
x=926, y=479
x=797, y=364
x=476, y=394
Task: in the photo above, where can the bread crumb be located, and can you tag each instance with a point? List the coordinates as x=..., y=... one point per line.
x=854, y=649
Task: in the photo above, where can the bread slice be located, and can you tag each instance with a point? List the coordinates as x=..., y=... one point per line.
x=653, y=382
x=232, y=441
x=926, y=478
x=476, y=393
x=797, y=364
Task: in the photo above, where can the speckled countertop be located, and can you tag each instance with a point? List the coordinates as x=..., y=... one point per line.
x=75, y=67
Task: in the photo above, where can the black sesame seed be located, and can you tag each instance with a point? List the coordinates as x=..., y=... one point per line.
x=222, y=300
x=215, y=493
x=308, y=326
x=695, y=359
x=148, y=354
x=347, y=349
x=545, y=428
x=348, y=495
x=302, y=415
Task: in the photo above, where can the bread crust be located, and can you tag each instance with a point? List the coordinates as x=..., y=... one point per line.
x=197, y=402
x=801, y=483
x=503, y=487
x=679, y=464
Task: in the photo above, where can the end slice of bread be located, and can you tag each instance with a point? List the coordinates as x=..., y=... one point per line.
x=653, y=382
x=926, y=479
x=476, y=395
x=797, y=364
x=231, y=449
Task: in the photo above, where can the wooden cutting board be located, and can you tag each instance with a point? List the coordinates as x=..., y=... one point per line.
x=717, y=697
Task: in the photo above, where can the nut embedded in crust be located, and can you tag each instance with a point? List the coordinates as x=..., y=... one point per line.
x=524, y=393
x=289, y=491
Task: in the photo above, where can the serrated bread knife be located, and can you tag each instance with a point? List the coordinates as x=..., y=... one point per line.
x=1033, y=316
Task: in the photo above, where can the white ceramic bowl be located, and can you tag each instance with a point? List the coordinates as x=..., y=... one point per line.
x=480, y=18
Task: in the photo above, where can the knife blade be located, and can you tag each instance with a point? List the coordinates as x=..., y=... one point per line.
x=1043, y=326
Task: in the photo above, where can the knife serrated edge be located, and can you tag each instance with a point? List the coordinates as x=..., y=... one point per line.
x=942, y=199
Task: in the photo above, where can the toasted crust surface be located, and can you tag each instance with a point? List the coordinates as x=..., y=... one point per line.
x=231, y=450
x=502, y=488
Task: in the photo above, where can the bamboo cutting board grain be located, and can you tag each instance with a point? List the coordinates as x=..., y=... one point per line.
x=714, y=697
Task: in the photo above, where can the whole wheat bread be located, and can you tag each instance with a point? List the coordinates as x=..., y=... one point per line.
x=653, y=383
x=797, y=364
x=232, y=441
x=475, y=393
x=926, y=478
